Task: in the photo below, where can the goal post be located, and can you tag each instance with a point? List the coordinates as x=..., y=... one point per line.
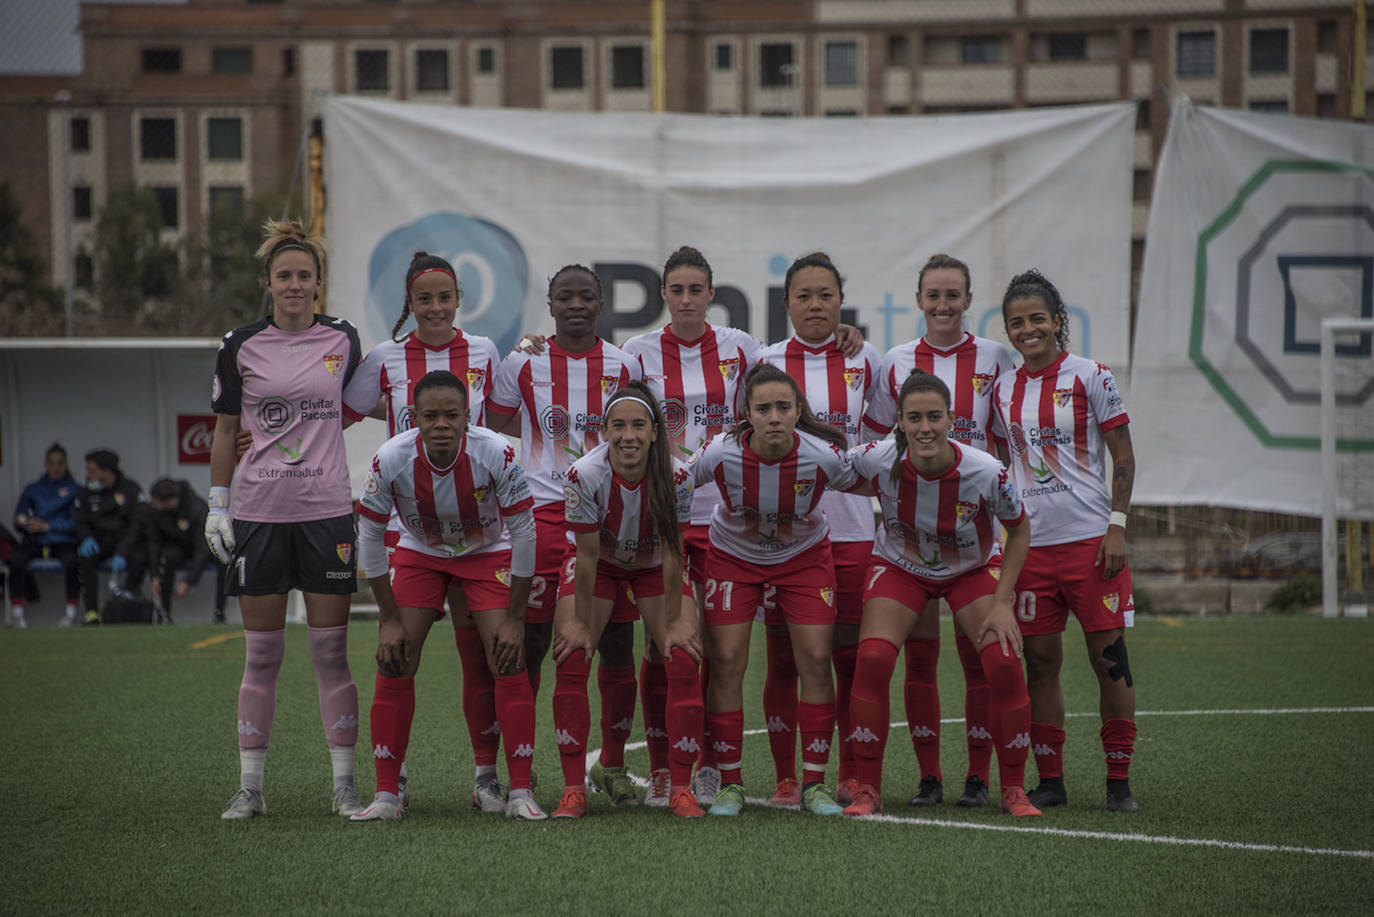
x=1358, y=442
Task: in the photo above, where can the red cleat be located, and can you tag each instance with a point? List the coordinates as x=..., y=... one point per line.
x=866, y=801
x=787, y=793
x=847, y=791
x=683, y=804
x=1015, y=803
x=572, y=805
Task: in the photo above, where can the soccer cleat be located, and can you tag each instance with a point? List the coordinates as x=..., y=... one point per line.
x=706, y=784
x=19, y=622
x=658, y=795
x=1049, y=793
x=346, y=801
x=246, y=803
x=487, y=795
x=219, y=615
x=1015, y=803
x=386, y=807
x=930, y=793
x=684, y=805
x=615, y=783
x=522, y=807
x=846, y=790
x=729, y=801
x=787, y=793
x=866, y=801
x=92, y=617
x=572, y=805
x=817, y=800
x=975, y=793
x=1119, y=798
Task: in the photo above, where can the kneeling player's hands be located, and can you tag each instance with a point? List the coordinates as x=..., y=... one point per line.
x=393, y=650
x=572, y=635
x=219, y=530
x=682, y=635
x=1001, y=626
x=508, y=647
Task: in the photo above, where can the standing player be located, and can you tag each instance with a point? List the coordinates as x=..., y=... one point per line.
x=968, y=365
x=768, y=531
x=836, y=387
x=390, y=373
x=292, y=519
x=456, y=490
x=942, y=505
x=626, y=503
x=560, y=396
x=1058, y=412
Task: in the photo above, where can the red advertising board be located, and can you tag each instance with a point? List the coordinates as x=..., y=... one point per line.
x=194, y=434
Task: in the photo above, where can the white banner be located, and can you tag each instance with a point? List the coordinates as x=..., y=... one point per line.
x=1262, y=225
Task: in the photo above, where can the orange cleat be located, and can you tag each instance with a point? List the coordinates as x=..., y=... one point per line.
x=847, y=790
x=866, y=801
x=788, y=793
x=572, y=805
x=682, y=803
x=1015, y=803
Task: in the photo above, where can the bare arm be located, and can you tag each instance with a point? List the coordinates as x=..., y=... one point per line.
x=222, y=450
x=1111, y=556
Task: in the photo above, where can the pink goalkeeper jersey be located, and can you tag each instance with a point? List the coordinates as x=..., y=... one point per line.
x=392, y=368
x=969, y=369
x=769, y=510
x=1053, y=421
x=699, y=385
x=595, y=498
x=837, y=388
x=943, y=526
x=559, y=396
x=447, y=512
x=287, y=390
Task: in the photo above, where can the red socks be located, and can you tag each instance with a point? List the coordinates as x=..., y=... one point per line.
x=780, y=704
x=727, y=734
x=653, y=700
x=393, y=710
x=1009, y=706
x=618, y=690
x=975, y=709
x=683, y=716
x=1118, y=742
x=479, y=697
x=816, y=722
x=708, y=751
x=844, y=657
x=515, y=708
x=869, y=707
x=922, y=694
x=572, y=717
x=1048, y=744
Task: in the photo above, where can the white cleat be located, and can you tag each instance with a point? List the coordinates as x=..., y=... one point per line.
x=346, y=801
x=246, y=804
x=659, y=790
x=489, y=796
x=386, y=807
x=706, y=785
x=522, y=807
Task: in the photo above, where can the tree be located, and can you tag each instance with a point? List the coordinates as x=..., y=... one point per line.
x=223, y=276
x=137, y=274
x=28, y=305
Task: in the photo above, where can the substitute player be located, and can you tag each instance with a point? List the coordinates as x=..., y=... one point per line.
x=290, y=525
x=942, y=506
x=456, y=490
x=626, y=502
x=1060, y=413
x=968, y=365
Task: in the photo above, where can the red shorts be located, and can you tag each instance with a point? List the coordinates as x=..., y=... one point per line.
x=799, y=591
x=851, y=562
x=421, y=581
x=1060, y=578
x=695, y=546
x=886, y=580
x=616, y=584
x=550, y=548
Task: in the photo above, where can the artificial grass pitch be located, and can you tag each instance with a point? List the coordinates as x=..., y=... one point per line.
x=120, y=754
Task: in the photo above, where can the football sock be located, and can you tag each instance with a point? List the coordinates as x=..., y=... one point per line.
x=975, y=709
x=479, y=696
x=816, y=722
x=515, y=708
x=653, y=699
x=338, y=695
x=708, y=751
x=683, y=716
x=393, y=710
x=1009, y=709
x=870, y=707
x=572, y=716
x=252, y=763
x=780, y=704
x=618, y=689
x=727, y=732
x=922, y=695
x=844, y=658
x=1118, y=742
x=1048, y=744
x=263, y=651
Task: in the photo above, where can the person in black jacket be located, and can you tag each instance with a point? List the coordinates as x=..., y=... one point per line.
x=104, y=515
x=169, y=530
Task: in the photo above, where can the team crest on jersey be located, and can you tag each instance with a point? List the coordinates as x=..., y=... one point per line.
x=334, y=363
x=503, y=576
x=828, y=595
x=476, y=377
x=674, y=416
x=1062, y=397
x=1112, y=601
x=729, y=369
x=214, y=387
x=982, y=382
x=609, y=384
x=571, y=498
x=480, y=493
x=370, y=486
x=554, y=421
x=345, y=551
x=803, y=487
x=853, y=377
x=965, y=510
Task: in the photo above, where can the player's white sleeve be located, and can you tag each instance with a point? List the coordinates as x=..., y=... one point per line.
x=521, y=528
x=372, y=560
x=505, y=394
x=365, y=388
x=701, y=463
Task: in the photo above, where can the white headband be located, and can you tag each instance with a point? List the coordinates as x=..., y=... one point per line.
x=616, y=401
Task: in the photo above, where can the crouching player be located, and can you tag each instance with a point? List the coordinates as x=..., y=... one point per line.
x=626, y=503
x=941, y=506
x=457, y=491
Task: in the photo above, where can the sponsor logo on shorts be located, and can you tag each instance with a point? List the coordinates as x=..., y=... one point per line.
x=345, y=551
x=828, y=596
x=1111, y=601
x=854, y=377
x=333, y=363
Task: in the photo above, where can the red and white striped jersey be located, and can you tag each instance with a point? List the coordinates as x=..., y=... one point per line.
x=769, y=511
x=699, y=386
x=837, y=388
x=597, y=499
x=943, y=526
x=1053, y=421
x=447, y=512
x=969, y=369
x=559, y=396
x=392, y=368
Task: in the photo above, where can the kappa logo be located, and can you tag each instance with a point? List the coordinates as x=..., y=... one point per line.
x=776, y=724
x=1118, y=755
x=345, y=552
x=347, y=721
x=982, y=382
x=382, y=751
x=729, y=369
x=817, y=746
x=493, y=730
x=1111, y=601
x=563, y=737
x=508, y=454
x=828, y=596
x=923, y=732
x=681, y=475
x=854, y=377
x=524, y=750
x=246, y=728
x=803, y=486
x=476, y=377
x=979, y=732
x=721, y=747
x=654, y=732
x=1041, y=751
x=624, y=725
x=333, y=362
x=687, y=744
x=863, y=734
x=965, y=510
x=1022, y=740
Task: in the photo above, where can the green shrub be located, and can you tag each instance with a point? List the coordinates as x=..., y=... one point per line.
x=1300, y=592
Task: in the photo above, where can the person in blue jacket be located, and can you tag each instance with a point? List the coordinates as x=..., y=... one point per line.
x=45, y=520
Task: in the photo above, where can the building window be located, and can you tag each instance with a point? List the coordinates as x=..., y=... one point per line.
x=897, y=50
x=224, y=138
x=775, y=65
x=1197, y=54
x=1142, y=115
x=161, y=60
x=981, y=49
x=1269, y=51
x=81, y=135
x=725, y=56
x=157, y=138
x=566, y=65
x=431, y=71
x=898, y=110
x=1328, y=37
x=1326, y=105
x=1140, y=44
x=486, y=60
x=288, y=61
x=167, y=205
x=370, y=71
x=1140, y=185
x=627, y=67
x=1068, y=46
x=81, y=202
x=1274, y=106
x=231, y=60
x=226, y=198
x=841, y=63
x=841, y=113
x=84, y=267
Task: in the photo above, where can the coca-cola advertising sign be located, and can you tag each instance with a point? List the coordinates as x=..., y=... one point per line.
x=194, y=434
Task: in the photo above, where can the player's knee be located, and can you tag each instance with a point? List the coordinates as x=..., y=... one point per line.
x=617, y=644
x=1113, y=665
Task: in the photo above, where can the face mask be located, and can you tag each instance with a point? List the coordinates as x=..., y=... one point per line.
x=95, y=485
